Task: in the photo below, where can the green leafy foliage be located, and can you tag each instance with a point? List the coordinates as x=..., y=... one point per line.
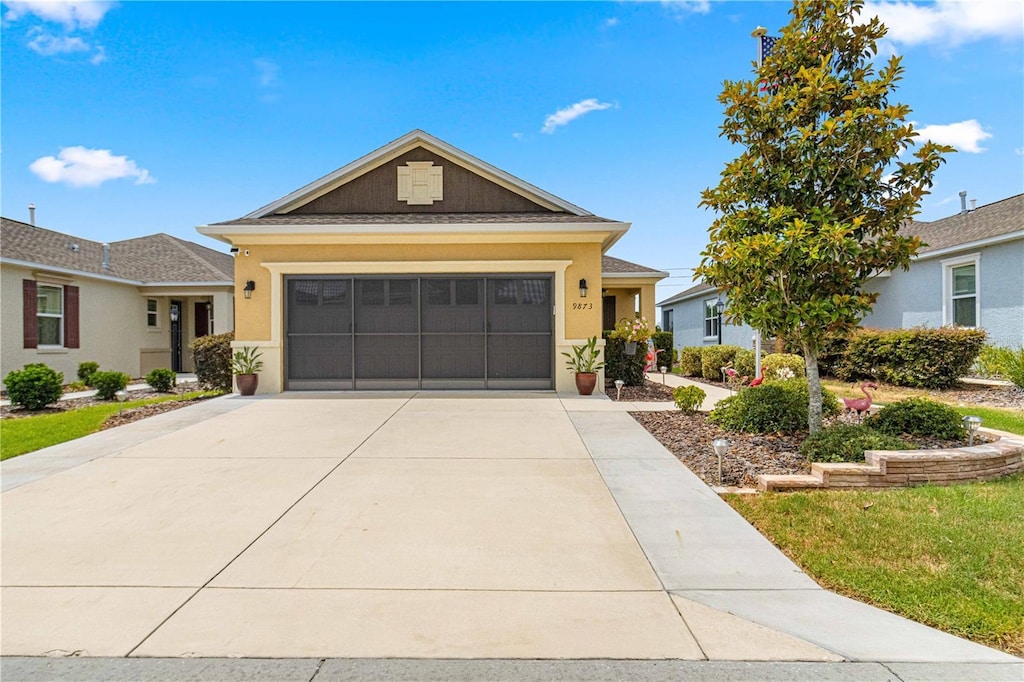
x=211, y=356
x=918, y=357
x=688, y=398
x=782, y=366
x=813, y=205
x=35, y=386
x=585, y=358
x=86, y=370
x=743, y=362
x=246, y=361
x=779, y=407
x=109, y=383
x=618, y=365
x=690, y=361
x=714, y=358
x=663, y=342
x=918, y=417
x=847, y=443
x=162, y=380
x=1005, y=363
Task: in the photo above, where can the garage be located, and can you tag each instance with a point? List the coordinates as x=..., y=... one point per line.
x=492, y=331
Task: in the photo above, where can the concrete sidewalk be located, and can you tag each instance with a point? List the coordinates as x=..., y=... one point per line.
x=318, y=529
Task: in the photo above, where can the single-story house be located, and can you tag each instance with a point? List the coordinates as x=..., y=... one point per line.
x=131, y=305
x=421, y=266
x=970, y=273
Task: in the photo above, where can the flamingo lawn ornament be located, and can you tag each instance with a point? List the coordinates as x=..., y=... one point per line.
x=861, y=405
x=759, y=380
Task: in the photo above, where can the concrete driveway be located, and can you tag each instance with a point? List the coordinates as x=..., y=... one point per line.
x=406, y=526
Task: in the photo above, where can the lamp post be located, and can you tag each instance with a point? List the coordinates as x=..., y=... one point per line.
x=721, y=446
x=121, y=396
x=719, y=309
x=972, y=424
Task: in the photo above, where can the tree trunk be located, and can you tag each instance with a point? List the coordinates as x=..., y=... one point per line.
x=814, y=388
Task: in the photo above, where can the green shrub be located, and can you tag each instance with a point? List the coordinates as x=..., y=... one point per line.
x=663, y=342
x=690, y=361
x=618, y=365
x=778, y=407
x=1005, y=363
x=743, y=363
x=35, y=386
x=688, y=398
x=830, y=355
x=86, y=370
x=919, y=357
x=918, y=417
x=212, y=358
x=782, y=366
x=847, y=443
x=714, y=358
x=162, y=380
x=109, y=383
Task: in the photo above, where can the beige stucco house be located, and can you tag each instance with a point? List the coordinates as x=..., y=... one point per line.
x=420, y=266
x=131, y=305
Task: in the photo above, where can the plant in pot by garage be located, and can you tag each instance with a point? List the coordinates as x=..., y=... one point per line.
x=632, y=332
x=245, y=364
x=584, y=362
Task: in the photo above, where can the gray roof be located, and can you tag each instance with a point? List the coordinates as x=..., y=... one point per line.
x=698, y=288
x=985, y=222
x=414, y=219
x=153, y=259
x=617, y=266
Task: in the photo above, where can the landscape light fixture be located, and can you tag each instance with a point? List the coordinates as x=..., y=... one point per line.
x=619, y=383
x=121, y=396
x=972, y=424
x=721, y=446
x=663, y=369
x=250, y=287
x=583, y=288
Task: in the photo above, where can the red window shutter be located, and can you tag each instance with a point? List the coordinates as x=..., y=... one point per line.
x=29, y=308
x=71, y=317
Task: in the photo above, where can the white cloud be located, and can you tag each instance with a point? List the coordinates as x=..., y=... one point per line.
x=269, y=72
x=680, y=8
x=517, y=136
x=48, y=44
x=964, y=135
x=72, y=14
x=82, y=167
x=612, y=22
x=572, y=112
x=948, y=22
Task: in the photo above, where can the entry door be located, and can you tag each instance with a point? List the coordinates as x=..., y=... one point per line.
x=176, y=335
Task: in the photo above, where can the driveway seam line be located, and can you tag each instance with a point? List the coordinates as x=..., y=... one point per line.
x=267, y=529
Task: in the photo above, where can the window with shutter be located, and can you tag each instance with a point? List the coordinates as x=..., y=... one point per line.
x=30, y=324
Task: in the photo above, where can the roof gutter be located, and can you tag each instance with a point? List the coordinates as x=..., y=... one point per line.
x=990, y=241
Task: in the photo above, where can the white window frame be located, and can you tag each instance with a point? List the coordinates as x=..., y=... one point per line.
x=668, y=322
x=153, y=316
x=948, y=266
x=709, y=304
x=58, y=316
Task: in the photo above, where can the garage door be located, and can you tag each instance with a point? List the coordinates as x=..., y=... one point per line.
x=432, y=332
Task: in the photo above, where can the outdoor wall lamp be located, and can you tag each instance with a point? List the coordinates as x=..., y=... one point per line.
x=583, y=288
x=174, y=313
x=719, y=309
x=250, y=287
x=972, y=424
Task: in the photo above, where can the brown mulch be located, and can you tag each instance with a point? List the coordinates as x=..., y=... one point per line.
x=649, y=392
x=127, y=416
x=137, y=413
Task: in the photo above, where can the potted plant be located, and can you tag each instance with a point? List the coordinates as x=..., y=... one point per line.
x=244, y=364
x=584, y=362
x=632, y=332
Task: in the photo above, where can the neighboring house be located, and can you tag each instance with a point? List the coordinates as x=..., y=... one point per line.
x=970, y=274
x=131, y=305
x=420, y=266
x=627, y=288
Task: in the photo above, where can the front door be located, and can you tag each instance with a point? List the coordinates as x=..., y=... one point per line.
x=203, y=326
x=176, y=340
x=608, y=313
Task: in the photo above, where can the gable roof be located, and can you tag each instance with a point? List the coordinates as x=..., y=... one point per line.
x=692, y=292
x=616, y=267
x=394, y=149
x=154, y=259
x=1004, y=218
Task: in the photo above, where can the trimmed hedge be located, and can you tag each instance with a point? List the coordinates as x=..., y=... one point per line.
x=790, y=365
x=690, y=361
x=919, y=357
x=86, y=370
x=847, y=443
x=743, y=363
x=109, y=383
x=35, y=386
x=663, y=342
x=919, y=417
x=162, y=380
x=714, y=358
x=212, y=357
x=688, y=398
x=618, y=365
x=778, y=407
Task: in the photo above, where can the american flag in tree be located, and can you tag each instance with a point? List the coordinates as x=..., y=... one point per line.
x=767, y=43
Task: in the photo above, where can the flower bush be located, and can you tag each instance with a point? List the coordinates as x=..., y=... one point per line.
x=635, y=330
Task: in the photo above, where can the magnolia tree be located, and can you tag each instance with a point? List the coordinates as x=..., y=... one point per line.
x=813, y=206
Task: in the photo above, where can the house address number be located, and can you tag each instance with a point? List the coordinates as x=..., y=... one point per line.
x=582, y=306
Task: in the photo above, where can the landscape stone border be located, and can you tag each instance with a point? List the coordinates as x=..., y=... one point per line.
x=905, y=468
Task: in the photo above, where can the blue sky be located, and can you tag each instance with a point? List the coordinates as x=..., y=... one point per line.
x=126, y=119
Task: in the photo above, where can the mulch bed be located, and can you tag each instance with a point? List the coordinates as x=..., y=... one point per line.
x=138, y=413
x=128, y=416
x=649, y=392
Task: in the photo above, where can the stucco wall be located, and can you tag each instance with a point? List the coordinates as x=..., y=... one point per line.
x=688, y=323
x=914, y=298
x=258, y=321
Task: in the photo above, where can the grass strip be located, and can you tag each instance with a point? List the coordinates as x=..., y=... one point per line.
x=950, y=557
x=27, y=434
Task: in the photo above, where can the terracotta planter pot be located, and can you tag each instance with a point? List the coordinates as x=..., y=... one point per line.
x=585, y=382
x=247, y=383
x=630, y=348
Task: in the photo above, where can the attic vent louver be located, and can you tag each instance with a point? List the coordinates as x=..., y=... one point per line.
x=420, y=183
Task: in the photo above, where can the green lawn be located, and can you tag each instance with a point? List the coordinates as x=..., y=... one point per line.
x=27, y=434
x=993, y=418
x=950, y=557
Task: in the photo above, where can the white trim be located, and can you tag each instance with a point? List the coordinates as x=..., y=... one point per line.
x=58, y=316
x=714, y=318
x=630, y=275
x=395, y=149
x=946, y=250
x=380, y=229
x=947, y=287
